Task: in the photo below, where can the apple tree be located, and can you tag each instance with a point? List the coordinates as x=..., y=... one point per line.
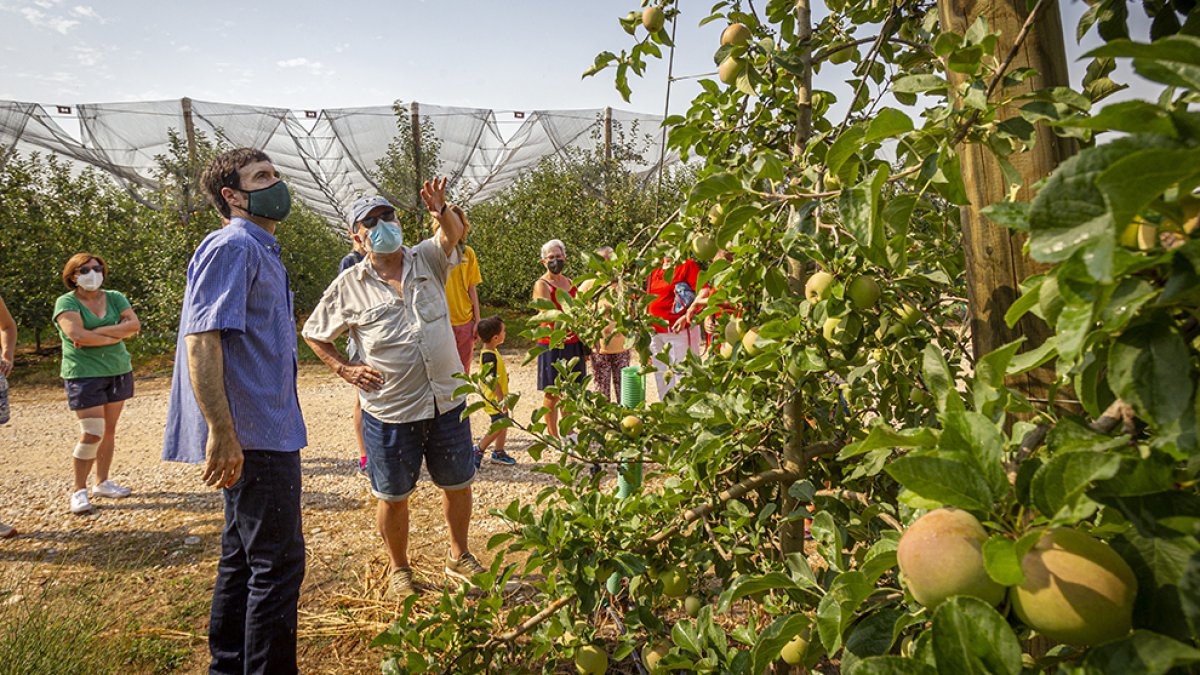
x=958, y=523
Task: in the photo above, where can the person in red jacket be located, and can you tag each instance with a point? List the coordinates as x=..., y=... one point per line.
x=672, y=289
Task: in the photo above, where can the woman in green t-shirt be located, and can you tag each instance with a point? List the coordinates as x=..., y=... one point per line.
x=96, y=370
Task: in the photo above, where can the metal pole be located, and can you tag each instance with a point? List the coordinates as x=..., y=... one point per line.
x=662, y=148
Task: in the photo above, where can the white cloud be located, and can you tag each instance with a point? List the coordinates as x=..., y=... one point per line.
x=88, y=56
x=314, y=67
x=87, y=12
x=42, y=20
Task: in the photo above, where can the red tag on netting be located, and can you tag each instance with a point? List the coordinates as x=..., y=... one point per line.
x=64, y=109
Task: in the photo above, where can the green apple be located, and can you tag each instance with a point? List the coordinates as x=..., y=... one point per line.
x=735, y=34
x=632, y=426
x=818, y=287
x=652, y=654
x=726, y=350
x=653, y=18
x=750, y=342
x=692, y=605
x=705, y=247
x=675, y=583
x=864, y=292
x=591, y=660
x=794, y=651
x=736, y=329
x=730, y=70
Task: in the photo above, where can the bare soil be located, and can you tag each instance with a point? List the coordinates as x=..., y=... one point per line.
x=156, y=551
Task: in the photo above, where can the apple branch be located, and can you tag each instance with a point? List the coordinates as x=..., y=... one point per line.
x=740, y=489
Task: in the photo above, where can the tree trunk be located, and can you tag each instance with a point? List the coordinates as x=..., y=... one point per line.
x=792, y=534
x=994, y=258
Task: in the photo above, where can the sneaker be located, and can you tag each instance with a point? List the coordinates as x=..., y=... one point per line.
x=401, y=585
x=478, y=454
x=79, y=502
x=464, y=568
x=502, y=457
x=110, y=489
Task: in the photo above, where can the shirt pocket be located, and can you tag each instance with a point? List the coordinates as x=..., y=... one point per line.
x=376, y=325
x=430, y=299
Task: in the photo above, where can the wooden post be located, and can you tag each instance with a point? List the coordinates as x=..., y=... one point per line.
x=608, y=133
x=193, y=172
x=995, y=263
x=416, y=145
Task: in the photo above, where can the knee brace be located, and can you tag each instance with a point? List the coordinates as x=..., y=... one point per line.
x=90, y=426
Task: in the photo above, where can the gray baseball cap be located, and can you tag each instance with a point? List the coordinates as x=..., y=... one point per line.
x=364, y=205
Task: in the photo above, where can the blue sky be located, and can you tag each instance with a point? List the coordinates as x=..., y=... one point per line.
x=510, y=55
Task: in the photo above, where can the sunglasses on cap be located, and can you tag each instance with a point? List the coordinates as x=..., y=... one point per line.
x=372, y=221
x=93, y=268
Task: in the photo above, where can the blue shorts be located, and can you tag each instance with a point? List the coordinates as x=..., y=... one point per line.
x=89, y=392
x=395, y=452
x=497, y=417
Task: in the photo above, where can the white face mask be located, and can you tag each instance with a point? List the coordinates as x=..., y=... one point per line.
x=90, y=281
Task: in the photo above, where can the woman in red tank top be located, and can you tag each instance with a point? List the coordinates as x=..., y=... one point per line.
x=547, y=287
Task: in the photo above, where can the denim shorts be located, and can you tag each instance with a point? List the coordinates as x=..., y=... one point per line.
x=395, y=452
x=89, y=392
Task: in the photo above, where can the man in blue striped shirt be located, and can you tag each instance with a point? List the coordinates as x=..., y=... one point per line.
x=234, y=404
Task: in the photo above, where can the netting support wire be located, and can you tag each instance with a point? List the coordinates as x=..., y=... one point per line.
x=416, y=144
x=662, y=148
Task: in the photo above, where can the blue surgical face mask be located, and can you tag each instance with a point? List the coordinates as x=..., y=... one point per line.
x=386, y=237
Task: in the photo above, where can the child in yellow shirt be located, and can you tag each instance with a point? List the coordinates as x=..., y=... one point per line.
x=491, y=365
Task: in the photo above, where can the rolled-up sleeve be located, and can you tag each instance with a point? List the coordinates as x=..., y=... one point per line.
x=220, y=281
x=327, y=321
x=434, y=257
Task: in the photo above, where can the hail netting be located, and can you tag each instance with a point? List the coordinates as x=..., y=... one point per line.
x=332, y=156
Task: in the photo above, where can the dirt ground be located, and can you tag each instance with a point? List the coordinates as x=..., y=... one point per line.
x=164, y=540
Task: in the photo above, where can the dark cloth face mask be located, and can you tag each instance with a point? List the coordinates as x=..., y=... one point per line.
x=272, y=203
x=556, y=265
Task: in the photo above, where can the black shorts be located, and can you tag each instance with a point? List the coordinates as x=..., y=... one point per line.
x=547, y=374
x=89, y=392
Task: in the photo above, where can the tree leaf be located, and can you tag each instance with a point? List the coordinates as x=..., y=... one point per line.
x=1149, y=367
x=939, y=380
x=916, y=84
x=779, y=633
x=715, y=186
x=1063, y=480
x=1001, y=561
x=945, y=481
x=888, y=122
x=1144, y=653
x=892, y=665
x=848, y=143
x=1070, y=214
x=970, y=637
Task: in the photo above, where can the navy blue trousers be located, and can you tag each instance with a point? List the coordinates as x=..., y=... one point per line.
x=252, y=628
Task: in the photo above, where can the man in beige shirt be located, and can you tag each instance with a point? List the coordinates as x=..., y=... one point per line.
x=393, y=304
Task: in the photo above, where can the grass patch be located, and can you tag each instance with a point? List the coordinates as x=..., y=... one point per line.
x=64, y=634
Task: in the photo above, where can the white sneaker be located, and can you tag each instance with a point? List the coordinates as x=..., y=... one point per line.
x=110, y=489
x=80, y=503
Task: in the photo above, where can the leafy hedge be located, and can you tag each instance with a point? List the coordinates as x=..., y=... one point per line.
x=583, y=199
x=49, y=212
